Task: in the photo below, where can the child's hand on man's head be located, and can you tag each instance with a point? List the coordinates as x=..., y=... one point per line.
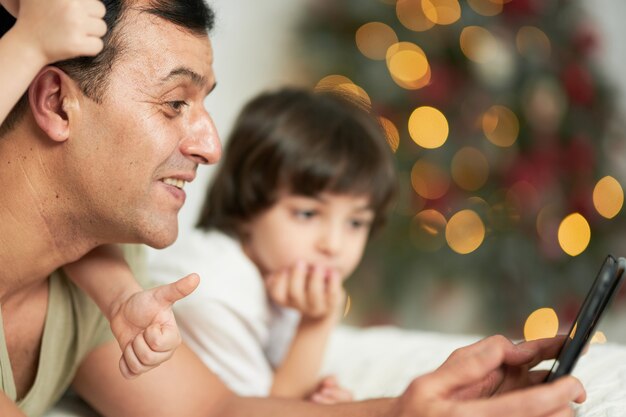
x=61, y=29
x=314, y=290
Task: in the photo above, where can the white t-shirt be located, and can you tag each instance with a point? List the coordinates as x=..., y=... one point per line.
x=228, y=320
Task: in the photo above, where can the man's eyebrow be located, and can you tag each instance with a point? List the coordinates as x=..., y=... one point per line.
x=195, y=78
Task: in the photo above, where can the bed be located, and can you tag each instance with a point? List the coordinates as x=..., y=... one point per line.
x=381, y=361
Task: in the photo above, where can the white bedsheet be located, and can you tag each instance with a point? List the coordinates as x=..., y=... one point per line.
x=381, y=361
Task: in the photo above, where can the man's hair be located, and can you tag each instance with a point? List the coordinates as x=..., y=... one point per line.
x=303, y=143
x=92, y=73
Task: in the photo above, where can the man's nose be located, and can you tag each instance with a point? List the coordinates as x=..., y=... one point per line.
x=202, y=145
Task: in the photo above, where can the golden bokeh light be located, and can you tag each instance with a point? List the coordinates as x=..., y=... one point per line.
x=574, y=234
x=541, y=324
x=470, y=168
x=344, y=85
x=608, y=197
x=411, y=14
x=391, y=133
x=428, y=127
x=374, y=38
x=598, y=338
x=331, y=82
x=486, y=7
x=408, y=65
x=500, y=126
x=533, y=42
x=442, y=12
x=465, y=232
x=429, y=180
x=428, y=230
x=348, y=306
x=477, y=43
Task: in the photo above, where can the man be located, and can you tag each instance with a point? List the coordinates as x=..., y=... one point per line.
x=98, y=153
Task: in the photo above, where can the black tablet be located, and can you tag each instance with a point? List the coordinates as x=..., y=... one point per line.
x=606, y=284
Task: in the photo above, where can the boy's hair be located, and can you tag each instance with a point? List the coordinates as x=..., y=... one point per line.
x=304, y=143
x=91, y=73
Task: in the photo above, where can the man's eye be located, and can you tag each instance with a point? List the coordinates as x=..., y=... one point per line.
x=177, y=105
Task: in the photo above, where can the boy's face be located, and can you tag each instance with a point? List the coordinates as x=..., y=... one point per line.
x=328, y=230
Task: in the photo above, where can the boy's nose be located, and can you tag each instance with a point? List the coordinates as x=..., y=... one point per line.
x=330, y=241
x=203, y=144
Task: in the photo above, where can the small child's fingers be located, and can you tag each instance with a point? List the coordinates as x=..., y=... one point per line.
x=95, y=27
x=329, y=381
x=278, y=287
x=335, y=290
x=89, y=46
x=126, y=373
x=147, y=357
x=94, y=8
x=316, y=291
x=296, y=286
x=168, y=294
x=162, y=338
x=132, y=362
x=336, y=394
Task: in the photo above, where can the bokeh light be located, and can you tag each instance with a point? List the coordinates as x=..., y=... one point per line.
x=470, y=168
x=344, y=85
x=442, y=12
x=532, y=42
x=465, y=232
x=501, y=126
x=428, y=127
x=542, y=323
x=408, y=65
x=486, y=7
x=391, y=133
x=608, y=197
x=374, y=38
x=598, y=338
x=477, y=43
x=348, y=306
x=429, y=180
x=411, y=14
x=574, y=234
x=428, y=229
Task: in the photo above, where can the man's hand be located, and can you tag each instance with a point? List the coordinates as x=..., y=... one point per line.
x=492, y=367
x=330, y=392
x=61, y=29
x=313, y=290
x=145, y=327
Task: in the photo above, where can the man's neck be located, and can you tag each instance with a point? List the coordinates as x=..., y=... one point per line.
x=36, y=233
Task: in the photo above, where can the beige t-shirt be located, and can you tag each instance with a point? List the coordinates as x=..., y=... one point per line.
x=74, y=326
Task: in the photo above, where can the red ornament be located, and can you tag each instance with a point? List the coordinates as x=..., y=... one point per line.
x=579, y=85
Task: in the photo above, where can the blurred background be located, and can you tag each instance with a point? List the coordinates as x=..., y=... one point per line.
x=506, y=120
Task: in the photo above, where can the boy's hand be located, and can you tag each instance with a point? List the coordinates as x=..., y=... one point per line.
x=330, y=392
x=62, y=29
x=315, y=290
x=145, y=328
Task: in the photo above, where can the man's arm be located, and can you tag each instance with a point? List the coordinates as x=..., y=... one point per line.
x=462, y=386
x=184, y=386
x=8, y=407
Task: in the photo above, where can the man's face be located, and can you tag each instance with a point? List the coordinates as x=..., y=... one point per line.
x=132, y=153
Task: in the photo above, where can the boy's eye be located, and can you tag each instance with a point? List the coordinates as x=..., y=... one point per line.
x=305, y=214
x=358, y=224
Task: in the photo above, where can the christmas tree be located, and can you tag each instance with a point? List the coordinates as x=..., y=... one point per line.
x=504, y=134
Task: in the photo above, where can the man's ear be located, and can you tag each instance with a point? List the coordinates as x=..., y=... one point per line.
x=52, y=99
